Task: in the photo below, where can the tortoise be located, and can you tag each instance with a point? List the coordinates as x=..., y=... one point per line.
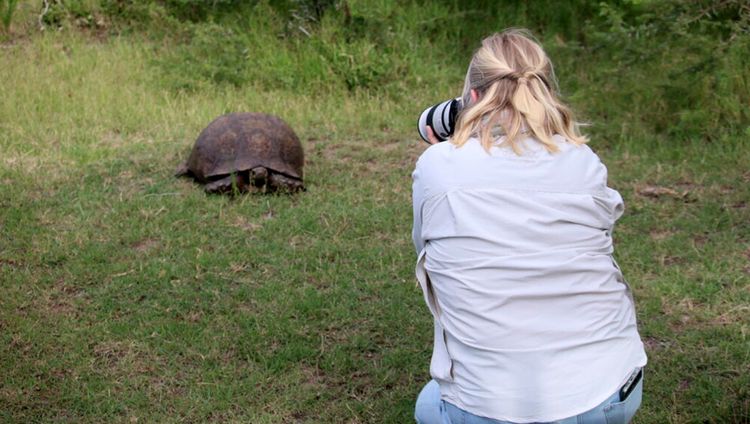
x=248, y=152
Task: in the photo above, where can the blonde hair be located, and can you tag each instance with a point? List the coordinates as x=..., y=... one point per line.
x=514, y=80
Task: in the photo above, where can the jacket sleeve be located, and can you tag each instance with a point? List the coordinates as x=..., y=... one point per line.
x=614, y=201
x=417, y=201
x=609, y=199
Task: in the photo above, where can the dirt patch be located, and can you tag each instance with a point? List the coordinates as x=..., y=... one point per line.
x=193, y=316
x=318, y=283
x=244, y=224
x=327, y=151
x=112, y=138
x=657, y=192
x=20, y=345
x=736, y=315
x=392, y=145
x=31, y=164
x=726, y=189
x=145, y=245
x=653, y=344
x=700, y=239
x=122, y=358
x=669, y=260
x=682, y=314
x=659, y=235
x=64, y=299
x=10, y=262
x=686, y=185
x=61, y=307
x=312, y=376
x=683, y=385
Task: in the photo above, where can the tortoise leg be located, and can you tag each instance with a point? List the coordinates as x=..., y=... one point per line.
x=181, y=170
x=242, y=181
x=283, y=183
x=232, y=183
x=219, y=186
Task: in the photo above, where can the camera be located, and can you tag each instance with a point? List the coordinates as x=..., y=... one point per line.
x=441, y=117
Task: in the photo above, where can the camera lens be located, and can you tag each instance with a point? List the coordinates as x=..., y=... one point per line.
x=441, y=117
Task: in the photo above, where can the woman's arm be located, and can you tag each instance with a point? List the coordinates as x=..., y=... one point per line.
x=417, y=199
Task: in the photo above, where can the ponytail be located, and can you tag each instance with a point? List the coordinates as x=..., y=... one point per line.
x=513, y=76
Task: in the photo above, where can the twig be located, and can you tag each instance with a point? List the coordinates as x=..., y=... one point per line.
x=41, y=16
x=304, y=31
x=709, y=10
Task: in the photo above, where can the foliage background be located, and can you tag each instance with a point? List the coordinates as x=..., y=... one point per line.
x=127, y=295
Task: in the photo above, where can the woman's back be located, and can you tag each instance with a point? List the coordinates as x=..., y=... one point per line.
x=536, y=316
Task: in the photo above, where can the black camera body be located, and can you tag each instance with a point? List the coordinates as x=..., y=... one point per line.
x=441, y=117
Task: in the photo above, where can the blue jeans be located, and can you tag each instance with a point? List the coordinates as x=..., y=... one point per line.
x=431, y=409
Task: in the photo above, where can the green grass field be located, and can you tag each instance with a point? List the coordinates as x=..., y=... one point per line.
x=127, y=295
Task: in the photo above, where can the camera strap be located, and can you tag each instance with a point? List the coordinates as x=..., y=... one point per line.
x=629, y=385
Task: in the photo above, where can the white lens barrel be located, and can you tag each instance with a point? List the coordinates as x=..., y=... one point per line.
x=439, y=118
x=422, y=124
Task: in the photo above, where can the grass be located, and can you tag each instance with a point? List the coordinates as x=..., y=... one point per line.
x=127, y=295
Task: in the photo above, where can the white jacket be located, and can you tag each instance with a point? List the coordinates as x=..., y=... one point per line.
x=533, y=319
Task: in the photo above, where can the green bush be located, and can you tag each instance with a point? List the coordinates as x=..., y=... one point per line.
x=672, y=68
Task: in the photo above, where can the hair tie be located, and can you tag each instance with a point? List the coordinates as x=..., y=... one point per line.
x=520, y=77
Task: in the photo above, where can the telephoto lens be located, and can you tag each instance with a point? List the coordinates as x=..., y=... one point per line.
x=441, y=117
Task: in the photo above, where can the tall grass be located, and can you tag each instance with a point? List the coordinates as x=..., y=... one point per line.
x=635, y=70
x=644, y=69
x=7, y=8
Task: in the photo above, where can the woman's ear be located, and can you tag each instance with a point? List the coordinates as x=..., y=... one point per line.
x=474, y=95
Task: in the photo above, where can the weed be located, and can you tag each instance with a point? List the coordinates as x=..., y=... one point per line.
x=7, y=7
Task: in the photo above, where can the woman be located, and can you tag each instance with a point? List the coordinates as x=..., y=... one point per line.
x=513, y=229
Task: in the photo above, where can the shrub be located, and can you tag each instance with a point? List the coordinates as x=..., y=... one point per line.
x=672, y=68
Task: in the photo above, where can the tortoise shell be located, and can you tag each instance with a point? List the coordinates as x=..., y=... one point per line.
x=239, y=142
